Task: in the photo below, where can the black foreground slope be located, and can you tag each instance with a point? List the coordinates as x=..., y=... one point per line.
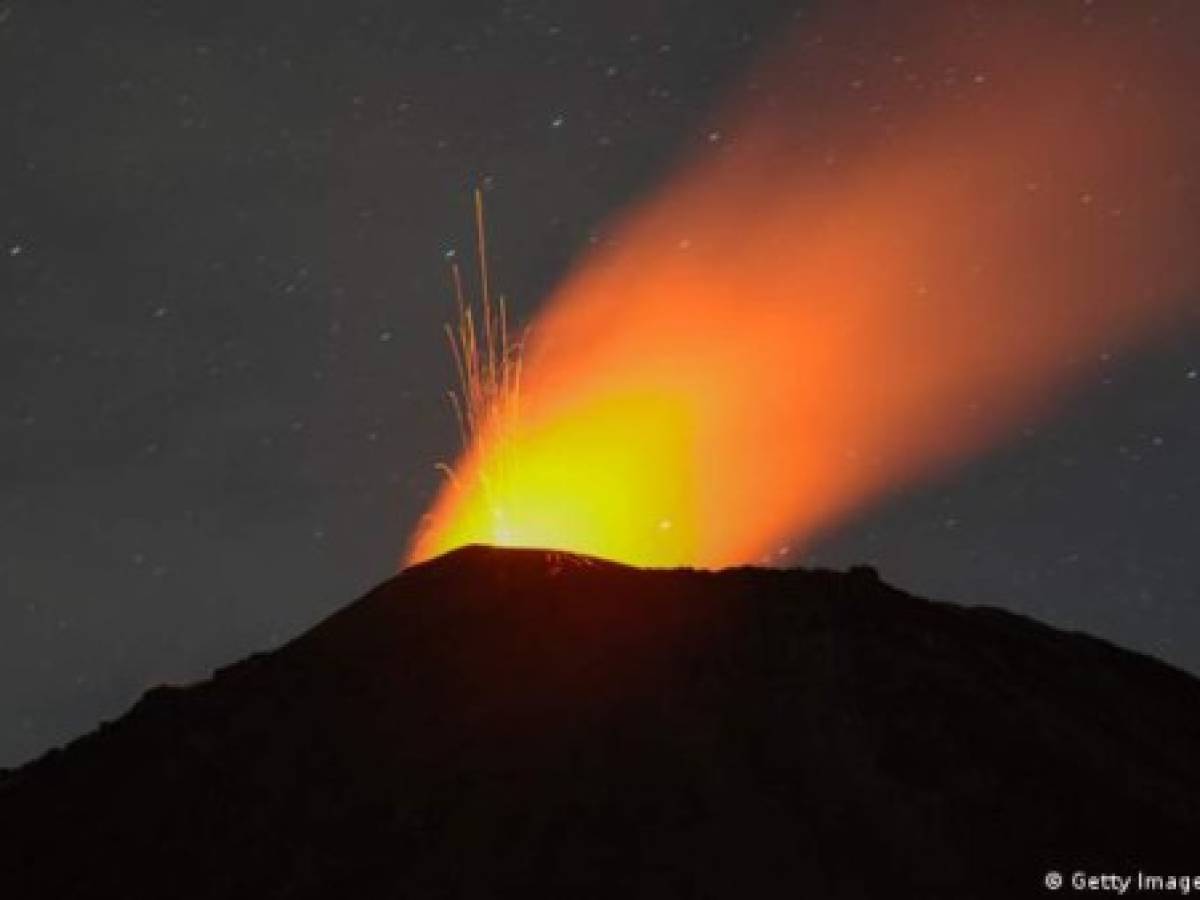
x=521, y=724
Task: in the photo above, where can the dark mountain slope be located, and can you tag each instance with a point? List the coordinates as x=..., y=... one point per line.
x=522, y=724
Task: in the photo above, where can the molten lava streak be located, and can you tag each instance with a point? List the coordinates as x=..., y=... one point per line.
x=918, y=229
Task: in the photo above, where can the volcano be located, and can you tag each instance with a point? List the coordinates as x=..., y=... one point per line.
x=518, y=723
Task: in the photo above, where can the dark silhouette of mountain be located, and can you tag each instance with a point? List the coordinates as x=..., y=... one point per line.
x=521, y=724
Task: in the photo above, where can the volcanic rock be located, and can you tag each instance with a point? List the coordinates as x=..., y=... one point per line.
x=523, y=724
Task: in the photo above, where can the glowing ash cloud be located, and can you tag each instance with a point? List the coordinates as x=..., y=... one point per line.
x=919, y=227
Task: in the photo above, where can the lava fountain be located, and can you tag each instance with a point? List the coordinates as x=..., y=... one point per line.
x=923, y=222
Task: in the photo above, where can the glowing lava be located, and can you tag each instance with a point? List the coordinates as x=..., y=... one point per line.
x=923, y=229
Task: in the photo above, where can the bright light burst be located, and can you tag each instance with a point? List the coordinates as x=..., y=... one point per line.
x=587, y=481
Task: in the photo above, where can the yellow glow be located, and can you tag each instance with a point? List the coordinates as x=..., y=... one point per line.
x=588, y=482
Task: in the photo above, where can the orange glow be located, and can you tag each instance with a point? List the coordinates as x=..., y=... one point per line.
x=910, y=237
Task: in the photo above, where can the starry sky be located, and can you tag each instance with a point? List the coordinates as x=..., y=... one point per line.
x=224, y=234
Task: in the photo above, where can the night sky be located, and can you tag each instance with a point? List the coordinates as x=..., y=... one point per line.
x=225, y=230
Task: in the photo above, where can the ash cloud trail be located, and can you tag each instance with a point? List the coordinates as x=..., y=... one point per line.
x=922, y=224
